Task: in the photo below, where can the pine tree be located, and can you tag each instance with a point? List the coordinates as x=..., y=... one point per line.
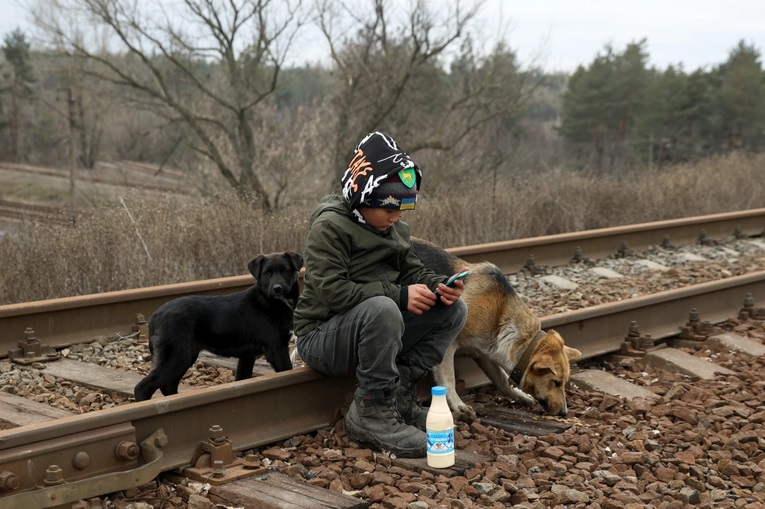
x=18, y=80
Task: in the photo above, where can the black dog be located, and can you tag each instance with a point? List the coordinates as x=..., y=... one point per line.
x=246, y=325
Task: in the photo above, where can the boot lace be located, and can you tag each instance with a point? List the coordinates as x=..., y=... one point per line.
x=393, y=407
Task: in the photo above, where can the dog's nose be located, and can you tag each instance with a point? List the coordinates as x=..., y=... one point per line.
x=563, y=412
x=277, y=289
x=548, y=407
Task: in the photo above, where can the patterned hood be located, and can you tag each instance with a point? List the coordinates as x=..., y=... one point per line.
x=376, y=158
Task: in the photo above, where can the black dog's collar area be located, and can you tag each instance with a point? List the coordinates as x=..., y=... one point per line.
x=520, y=368
x=290, y=303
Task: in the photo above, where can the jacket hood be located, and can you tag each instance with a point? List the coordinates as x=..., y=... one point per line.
x=330, y=203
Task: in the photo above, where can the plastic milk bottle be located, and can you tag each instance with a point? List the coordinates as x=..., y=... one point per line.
x=440, y=430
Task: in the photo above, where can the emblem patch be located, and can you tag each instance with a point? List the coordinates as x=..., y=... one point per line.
x=408, y=177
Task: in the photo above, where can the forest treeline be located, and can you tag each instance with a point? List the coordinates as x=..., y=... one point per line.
x=217, y=97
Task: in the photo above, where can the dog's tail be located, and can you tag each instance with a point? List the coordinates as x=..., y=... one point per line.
x=493, y=275
x=436, y=258
x=152, y=327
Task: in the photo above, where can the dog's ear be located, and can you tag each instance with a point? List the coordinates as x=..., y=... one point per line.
x=295, y=259
x=545, y=362
x=254, y=265
x=572, y=353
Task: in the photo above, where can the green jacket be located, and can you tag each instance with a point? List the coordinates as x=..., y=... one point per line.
x=348, y=262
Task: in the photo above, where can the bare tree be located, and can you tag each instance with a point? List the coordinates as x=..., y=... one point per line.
x=393, y=75
x=206, y=65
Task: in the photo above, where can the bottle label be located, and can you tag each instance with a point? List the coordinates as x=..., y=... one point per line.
x=441, y=442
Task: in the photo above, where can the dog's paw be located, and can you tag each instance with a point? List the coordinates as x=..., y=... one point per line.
x=465, y=413
x=518, y=395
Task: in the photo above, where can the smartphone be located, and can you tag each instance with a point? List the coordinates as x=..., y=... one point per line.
x=455, y=277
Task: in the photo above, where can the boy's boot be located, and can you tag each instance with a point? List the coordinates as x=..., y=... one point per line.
x=372, y=420
x=406, y=396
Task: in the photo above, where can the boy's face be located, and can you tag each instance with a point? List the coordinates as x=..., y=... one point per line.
x=380, y=219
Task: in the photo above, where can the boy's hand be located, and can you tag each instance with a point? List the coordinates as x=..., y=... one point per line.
x=420, y=299
x=450, y=294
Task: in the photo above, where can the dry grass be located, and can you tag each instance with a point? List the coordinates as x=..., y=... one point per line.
x=136, y=243
x=557, y=201
x=142, y=241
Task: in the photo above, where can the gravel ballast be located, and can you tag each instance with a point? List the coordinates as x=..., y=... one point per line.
x=699, y=443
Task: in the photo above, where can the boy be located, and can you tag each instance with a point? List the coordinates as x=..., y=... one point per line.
x=368, y=304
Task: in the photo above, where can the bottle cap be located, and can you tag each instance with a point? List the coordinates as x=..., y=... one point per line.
x=438, y=391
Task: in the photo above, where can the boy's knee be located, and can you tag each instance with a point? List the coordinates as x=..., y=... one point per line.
x=383, y=310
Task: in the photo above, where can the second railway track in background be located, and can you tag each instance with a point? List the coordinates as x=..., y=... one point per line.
x=125, y=174
x=161, y=435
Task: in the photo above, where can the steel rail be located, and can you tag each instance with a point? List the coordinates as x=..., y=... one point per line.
x=556, y=250
x=592, y=331
x=65, y=321
x=60, y=322
x=270, y=408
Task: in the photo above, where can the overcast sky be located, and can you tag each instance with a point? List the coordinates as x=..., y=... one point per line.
x=562, y=34
x=697, y=33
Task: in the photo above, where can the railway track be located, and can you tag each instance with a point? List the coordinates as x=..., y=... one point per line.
x=67, y=320
x=18, y=211
x=51, y=460
x=114, y=172
x=111, y=172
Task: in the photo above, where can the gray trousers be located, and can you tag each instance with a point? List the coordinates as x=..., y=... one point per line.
x=374, y=336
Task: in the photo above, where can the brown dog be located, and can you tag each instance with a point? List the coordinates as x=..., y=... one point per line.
x=503, y=336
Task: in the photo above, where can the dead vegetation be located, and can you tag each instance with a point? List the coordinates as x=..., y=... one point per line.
x=138, y=239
